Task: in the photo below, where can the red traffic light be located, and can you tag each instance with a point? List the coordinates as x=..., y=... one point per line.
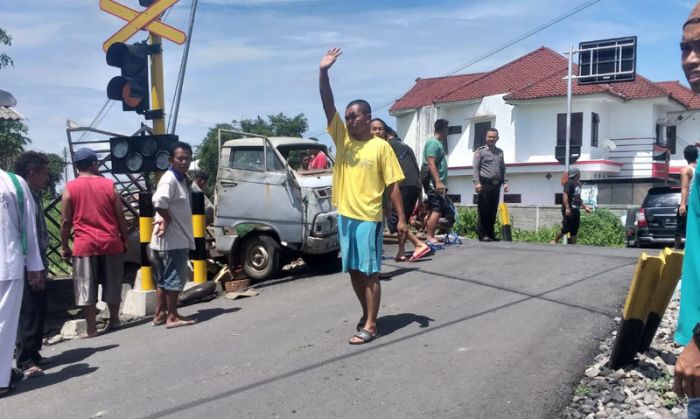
x=131, y=88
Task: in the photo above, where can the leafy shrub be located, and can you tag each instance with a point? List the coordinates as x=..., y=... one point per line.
x=465, y=222
x=600, y=228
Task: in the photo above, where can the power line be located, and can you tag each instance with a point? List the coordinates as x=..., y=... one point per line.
x=512, y=42
x=581, y=7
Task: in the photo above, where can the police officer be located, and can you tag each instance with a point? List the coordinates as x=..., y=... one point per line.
x=489, y=175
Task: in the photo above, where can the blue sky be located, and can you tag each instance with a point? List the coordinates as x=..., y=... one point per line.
x=260, y=57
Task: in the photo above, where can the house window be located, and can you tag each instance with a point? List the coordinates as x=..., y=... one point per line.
x=480, y=129
x=558, y=198
x=660, y=137
x=455, y=129
x=576, y=129
x=595, y=122
x=671, y=138
x=455, y=198
x=512, y=198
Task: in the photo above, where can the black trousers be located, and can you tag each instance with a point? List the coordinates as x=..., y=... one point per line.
x=30, y=331
x=487, y=207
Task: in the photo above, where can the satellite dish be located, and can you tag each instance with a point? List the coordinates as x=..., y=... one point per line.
x=608, y=145
x=7, y=100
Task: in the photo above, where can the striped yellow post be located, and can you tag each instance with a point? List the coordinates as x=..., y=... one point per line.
x=199, y=258
x=146, y=214
x=670, y=275
x=634, y=314
x=506, y=232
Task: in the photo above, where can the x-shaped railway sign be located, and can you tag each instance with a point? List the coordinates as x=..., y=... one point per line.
x=146, y=19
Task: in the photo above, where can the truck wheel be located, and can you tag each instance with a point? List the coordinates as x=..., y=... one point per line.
x=326, y=262
x=261, y=257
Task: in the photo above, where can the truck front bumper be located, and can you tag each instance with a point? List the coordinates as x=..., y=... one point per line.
x=321, y=245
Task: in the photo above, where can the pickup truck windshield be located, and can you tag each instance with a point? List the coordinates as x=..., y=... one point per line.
x=251, y=158
x=303, y=158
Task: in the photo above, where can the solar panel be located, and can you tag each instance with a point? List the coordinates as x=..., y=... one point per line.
x=607, y=60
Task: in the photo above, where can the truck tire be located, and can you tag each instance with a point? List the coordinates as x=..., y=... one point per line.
x=326, y=262
x=260, y=257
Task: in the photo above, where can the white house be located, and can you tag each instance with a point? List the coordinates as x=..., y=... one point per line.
x=626, y=131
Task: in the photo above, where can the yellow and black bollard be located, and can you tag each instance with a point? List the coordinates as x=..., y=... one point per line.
x=146, y=214
x=199, y=256
x=636, y=310
x=506, y=233
x=670, y=275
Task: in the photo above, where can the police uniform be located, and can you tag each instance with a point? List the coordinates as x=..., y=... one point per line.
x=490, y=171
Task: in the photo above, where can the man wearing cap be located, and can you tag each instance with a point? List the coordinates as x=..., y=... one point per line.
x=92, y=209
x=571, y=205
x=489, y=174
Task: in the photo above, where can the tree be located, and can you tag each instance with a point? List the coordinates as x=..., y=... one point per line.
x=5, y=39
x=278, y=125
x=12, y=133
x=56, y=166
x=13, y=138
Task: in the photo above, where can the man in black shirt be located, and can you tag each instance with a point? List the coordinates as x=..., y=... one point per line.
x=571, y=205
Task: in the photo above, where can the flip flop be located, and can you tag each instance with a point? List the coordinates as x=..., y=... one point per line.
x=365, y=337
x=33, y=372
x=420, y=254
x=180, y=323
x=400, y=258
x=434, y=246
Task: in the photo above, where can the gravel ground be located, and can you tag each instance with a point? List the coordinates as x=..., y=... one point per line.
x=641, y=390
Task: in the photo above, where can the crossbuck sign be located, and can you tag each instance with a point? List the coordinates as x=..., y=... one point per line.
x=147, y=19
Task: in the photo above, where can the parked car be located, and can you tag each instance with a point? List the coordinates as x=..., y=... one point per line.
x=629, y=220
x=656, y=219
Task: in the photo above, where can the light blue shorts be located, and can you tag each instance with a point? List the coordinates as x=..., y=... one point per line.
x=171, y=269
x=360, y=244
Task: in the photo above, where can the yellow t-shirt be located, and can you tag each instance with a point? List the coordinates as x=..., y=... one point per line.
x=363, y=169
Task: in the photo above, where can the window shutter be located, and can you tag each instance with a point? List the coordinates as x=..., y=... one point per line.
x=576, y=128
x=561, y=129
x=671, y=138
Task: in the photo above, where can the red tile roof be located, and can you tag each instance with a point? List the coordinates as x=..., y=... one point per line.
x=512, y=76
x=555, y=85
x=538, y=74
x=681, y=93
x=426, y=91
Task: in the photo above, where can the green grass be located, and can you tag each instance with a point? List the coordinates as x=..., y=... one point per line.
x=600, y=228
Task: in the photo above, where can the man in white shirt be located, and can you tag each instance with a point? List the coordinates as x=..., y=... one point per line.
x=172, y=237
x=19, y=249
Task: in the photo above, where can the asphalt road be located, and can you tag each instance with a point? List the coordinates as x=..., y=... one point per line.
x=488, y=330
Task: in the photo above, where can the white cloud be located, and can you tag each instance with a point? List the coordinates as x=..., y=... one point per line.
x=226, y=51
x=259, y=57
x=256, y=2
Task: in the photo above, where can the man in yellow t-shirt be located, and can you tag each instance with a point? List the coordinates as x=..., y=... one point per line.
x=364, y=166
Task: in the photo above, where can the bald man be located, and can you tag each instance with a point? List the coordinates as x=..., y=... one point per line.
x=687, y=370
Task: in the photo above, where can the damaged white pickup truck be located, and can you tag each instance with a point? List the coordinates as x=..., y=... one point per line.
x=273, y=204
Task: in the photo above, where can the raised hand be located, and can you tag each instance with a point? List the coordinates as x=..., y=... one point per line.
x=329, y=59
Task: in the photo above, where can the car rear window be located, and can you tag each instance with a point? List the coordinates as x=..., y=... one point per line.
x=666, y=199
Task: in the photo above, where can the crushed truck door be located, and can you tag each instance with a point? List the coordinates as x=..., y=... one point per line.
x=255, y=186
